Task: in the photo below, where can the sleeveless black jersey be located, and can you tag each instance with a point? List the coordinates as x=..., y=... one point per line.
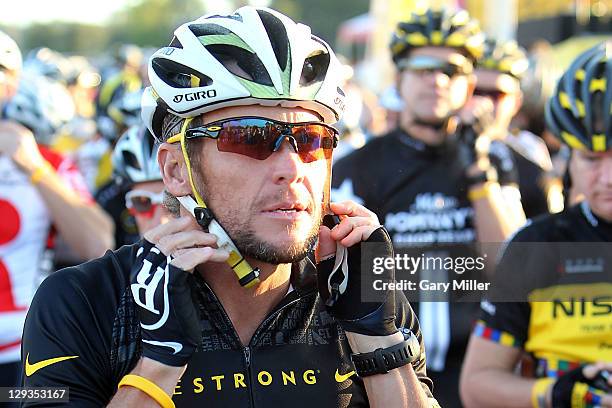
x=419, y=194
x=561, y=265
x=298, y=356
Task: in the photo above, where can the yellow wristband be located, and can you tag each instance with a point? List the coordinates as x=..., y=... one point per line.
x=40, y=172
x=538, y=392
x=148, y=387
x=482, y=192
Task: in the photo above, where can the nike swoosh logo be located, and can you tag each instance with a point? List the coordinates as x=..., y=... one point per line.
x=32, y=368
x=173, y=345
x=340, y=378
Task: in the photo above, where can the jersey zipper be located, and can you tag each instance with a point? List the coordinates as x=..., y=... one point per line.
x=246, y=351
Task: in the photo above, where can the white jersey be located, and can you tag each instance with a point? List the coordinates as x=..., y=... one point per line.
x=24, y=236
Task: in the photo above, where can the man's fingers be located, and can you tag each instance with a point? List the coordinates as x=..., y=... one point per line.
x=185, y=239
x=171, y=227
x=352, y=209
x=188, y=259
x=347, y=225
x=326, y=245
x=606, y=401
x=591, y=370
x=358, y=235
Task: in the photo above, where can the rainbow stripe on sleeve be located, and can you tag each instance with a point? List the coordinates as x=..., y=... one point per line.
x=554, y=368
x=498, y=336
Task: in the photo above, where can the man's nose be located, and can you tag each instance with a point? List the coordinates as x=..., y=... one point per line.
x=437, y=79
x=605, y=173
x=288, y=166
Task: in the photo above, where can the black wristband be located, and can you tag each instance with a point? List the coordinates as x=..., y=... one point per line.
x=380, y=361
x=482, y=177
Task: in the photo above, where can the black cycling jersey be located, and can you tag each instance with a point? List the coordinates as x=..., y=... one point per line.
x=297, y=357
x=111, y=198
x=419, y=194
x=565, y=320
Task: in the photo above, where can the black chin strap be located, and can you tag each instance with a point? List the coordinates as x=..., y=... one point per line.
x=437, y=126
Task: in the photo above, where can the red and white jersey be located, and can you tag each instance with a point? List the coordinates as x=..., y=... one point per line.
x=25, y=232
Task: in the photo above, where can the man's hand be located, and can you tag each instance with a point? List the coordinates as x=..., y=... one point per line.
x=584, y=386
x=478, y=113
x=476, y=119
x=358, y=224
x=169, y=321
x=18, y=143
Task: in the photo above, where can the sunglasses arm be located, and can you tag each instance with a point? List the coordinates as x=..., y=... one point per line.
x=247, y=276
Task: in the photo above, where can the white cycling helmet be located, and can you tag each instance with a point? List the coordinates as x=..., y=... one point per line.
x=135, y=156
x=256, y=56
x=10, y=55
x=42, y=106
x=125, y=110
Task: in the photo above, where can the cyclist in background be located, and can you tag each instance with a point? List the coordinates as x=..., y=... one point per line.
x=111, y=194
x=41, y=193
x=427, y=182
x=499, y=72
x=135, y=201
x=559, y=266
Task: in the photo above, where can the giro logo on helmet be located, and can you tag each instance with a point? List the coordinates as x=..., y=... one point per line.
x=195, y=96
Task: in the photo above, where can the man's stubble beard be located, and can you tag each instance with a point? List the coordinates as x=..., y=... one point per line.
x=250, y=245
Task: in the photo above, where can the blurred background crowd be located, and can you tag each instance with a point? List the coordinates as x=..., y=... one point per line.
x=84, y=69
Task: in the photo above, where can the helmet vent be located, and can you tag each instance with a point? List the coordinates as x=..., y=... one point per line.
x=178, y=75
x=130, y=160
x=200, y=30
x=314, y=69
x=175, y=43
x=278, y=37
x=241, y=63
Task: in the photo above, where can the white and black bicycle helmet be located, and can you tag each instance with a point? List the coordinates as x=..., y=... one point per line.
x=42, y=106
x=256, y=56
x=135, y=157
x=10, y=55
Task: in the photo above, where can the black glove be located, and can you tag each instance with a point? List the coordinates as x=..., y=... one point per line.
x=354, y=315
x=470, y=149
x=170, y=327
x=574, y=390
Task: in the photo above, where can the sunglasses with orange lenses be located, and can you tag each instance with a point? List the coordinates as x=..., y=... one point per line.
x=258, y=138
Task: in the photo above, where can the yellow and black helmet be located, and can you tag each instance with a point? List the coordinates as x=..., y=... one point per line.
x=580, y=110
x=505, y=57
x=443, y=28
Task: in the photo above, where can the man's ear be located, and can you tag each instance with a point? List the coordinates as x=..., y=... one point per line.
x=518, y=102
x=173, y=169
x=472, y=81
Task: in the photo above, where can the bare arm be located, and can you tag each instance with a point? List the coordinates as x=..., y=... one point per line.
x=487, y=377
x=496, y=219
x=166, y=377
x=84, y=226
x=397, y=388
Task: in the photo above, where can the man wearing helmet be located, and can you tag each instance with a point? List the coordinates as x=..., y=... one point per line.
x=223, y=305
x=551, y=295
x=499, y=72
x=431, y=181
x=132, y=157
x=42, y=195
x=138, y=178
